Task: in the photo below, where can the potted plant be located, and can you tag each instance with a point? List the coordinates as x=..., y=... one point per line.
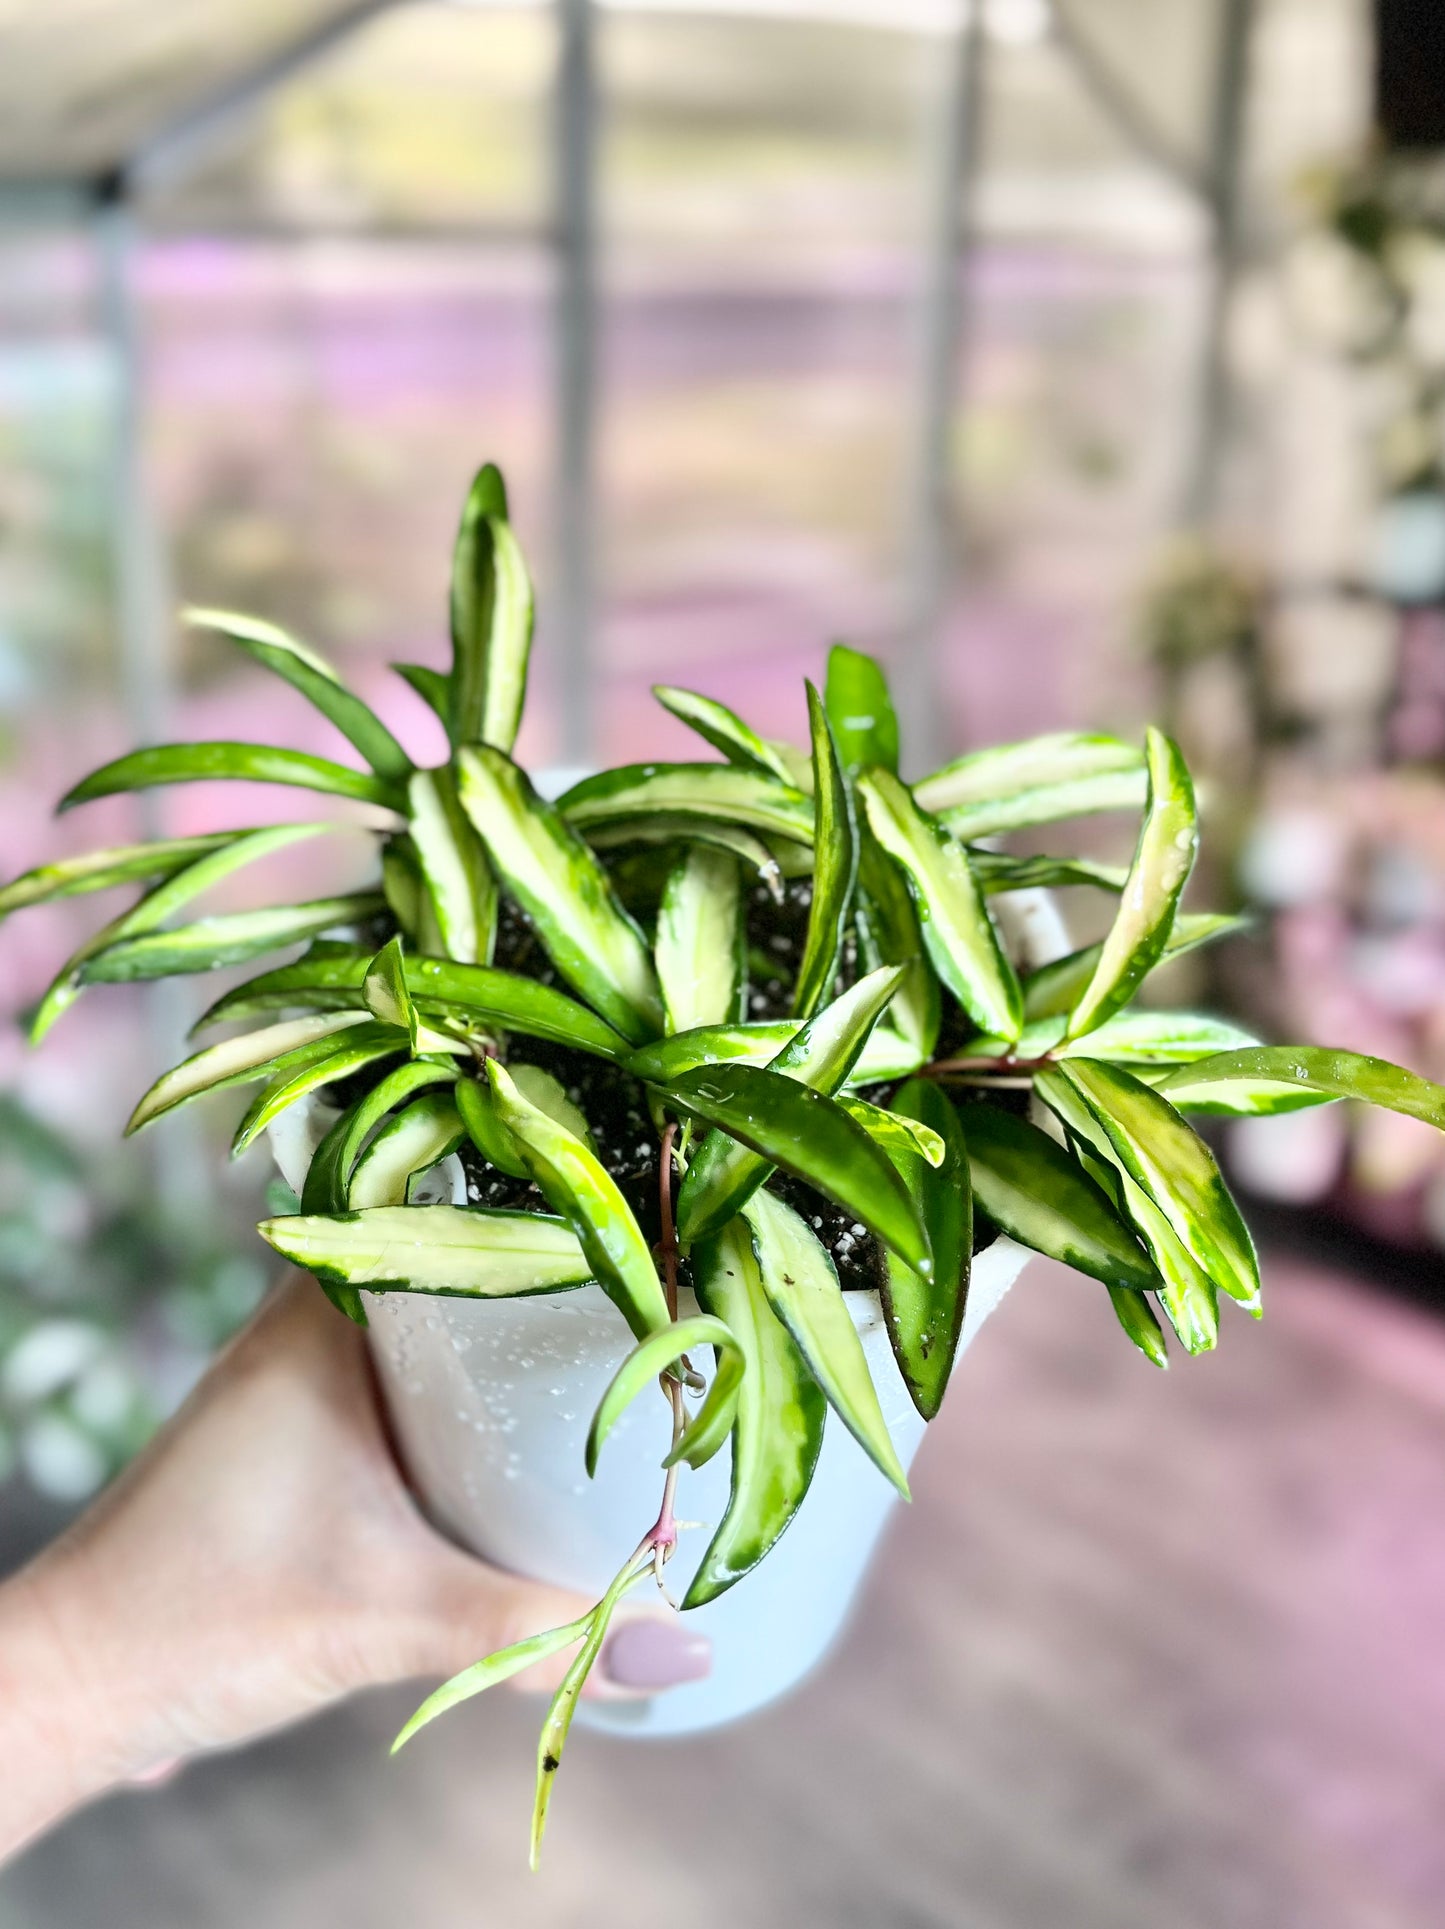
x=661, y=1124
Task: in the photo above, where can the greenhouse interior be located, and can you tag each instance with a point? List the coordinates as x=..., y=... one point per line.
x=1083, y=362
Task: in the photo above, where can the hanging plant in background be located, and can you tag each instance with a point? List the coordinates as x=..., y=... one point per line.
x=780, y=970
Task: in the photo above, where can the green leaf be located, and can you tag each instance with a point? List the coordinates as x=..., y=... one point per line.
x=997, y=873
x=1154, y=1149
x=496, y=1668
x=396, y=1089
x=177, y=890
x=778, y=1428
x=442, y=989
x=1136, y=1316
x=1163, y=859
x=861, y=710
x=492, y=617
x=1037, y=782
x=820, y=1054
x=901, y=1137
x=660, y=828
x=579, y=1187
x=958, y=933
x=457, y=1252
x=232, y=938
x=803, y=1291
x=564, y=1703
x=757, y=1043
x=1054, y=988
x=809, y=1135
x=564, y=890
x=1032, y=1190
x=186, y=763
x=237, y=1061
x=103, y=870
x=432, y=686
x=835, y=867
x=317, y=681
x=1158, y=1038
x=652, y=1358
x=724, y=730
x=698, y=951
x=412, y=1141
x=454, y=868
x=924, y=1316
x=744, y=797
x=302, y=1071
x=483, y=1119
x=889, y=934
x=385, y=992
x=1278, y=1078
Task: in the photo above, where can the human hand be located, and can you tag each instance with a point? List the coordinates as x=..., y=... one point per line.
x=261, y=1560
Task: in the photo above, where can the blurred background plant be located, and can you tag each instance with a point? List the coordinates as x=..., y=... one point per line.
x=110, y=1306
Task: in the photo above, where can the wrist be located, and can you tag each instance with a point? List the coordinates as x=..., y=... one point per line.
x=52, y=1730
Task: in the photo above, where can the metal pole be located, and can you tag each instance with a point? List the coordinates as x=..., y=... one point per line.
x=143, y=606
x=935, y=525
x=575, y=149
x=1203, y=474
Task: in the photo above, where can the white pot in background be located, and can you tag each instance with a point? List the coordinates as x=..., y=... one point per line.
x=491, y=1402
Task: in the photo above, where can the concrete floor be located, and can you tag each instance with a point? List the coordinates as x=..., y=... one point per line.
x=1149, y=1652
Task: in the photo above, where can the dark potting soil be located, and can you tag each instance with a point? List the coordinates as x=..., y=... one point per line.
x=615, y=1104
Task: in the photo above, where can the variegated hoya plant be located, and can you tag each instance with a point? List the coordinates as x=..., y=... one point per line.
x=779, y=969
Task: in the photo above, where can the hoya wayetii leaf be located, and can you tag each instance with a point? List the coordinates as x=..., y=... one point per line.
x=835, y=866
x=924, y=1315
x=699, y=948
x=724, y=730
x=1038, y=782
x=492, y=618
x=860, y=709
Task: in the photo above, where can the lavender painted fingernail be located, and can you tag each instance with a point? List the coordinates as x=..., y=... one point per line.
x=650, y=1654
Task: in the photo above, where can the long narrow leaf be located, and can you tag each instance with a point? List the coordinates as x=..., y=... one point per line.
x=744, y=797
x=103, y=870
x=187, y=763
x=803, y=1290
x=724, y=1173
x=492, y=618
x=658, y=827
x=564, y=1703
x=1038, y=782
x=302, y=1072
x=459, y=1252
x=1054, y=988
x=489, y=1673
x=396, y=1089
x=1158, y=1038
x=1163, y=859
x=778, y=1427
x=860, y=710
x=1032, y=1190
x=957, y=931
x=1153, y=1146
x=317, y=681
x=835, y=866
x=454, y=868
x=652, y=1358
x=441, y=988
x=997, y=873
x=177, y=890
x=806, y=1133
x=237, y=1061
x=924, y=1315
x=723, y=729
x=564, y=890
x=385, y=992
x=1278, y=1078
x=432, y=686
x=235, y=937
x=757, y=1043
x=699, y=948
x=412, y=1141
x=578, y=1186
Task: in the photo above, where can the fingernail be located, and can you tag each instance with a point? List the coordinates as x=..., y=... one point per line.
x=650, y=1653
x=157, y=1775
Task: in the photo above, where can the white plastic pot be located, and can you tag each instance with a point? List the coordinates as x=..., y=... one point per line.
x=491, y=1401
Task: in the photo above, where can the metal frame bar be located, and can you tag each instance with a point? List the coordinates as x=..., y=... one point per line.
x=934, y=528
x=1120, y=106
x=168, y=151
x=575, y=347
